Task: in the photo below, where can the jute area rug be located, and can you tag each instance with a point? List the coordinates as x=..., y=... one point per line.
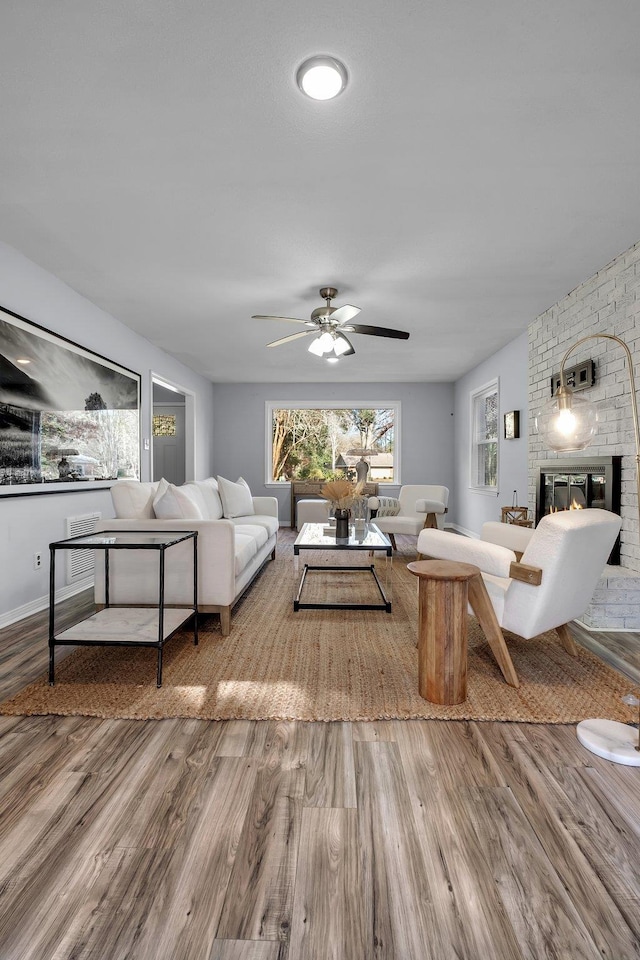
x=320, y=665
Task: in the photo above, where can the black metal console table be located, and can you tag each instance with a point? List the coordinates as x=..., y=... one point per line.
x=125, y=626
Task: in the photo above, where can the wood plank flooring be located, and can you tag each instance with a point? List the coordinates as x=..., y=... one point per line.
x=394, y=840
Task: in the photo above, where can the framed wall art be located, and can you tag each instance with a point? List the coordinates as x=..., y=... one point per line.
x=69, y=418
x=512, y=425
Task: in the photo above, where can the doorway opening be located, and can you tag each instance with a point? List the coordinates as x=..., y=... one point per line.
x=172, y=432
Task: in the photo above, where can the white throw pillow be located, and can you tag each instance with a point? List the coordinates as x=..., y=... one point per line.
x=236, y=498
x=133, y=500
x=193, y=489
x=174, y=503
x=208, y=490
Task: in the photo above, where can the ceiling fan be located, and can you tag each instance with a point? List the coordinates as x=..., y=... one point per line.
x=329, y=326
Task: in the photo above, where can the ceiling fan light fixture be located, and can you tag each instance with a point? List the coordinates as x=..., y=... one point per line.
x=325, y=342
x=341, y=345
x=316, y=348
x=322, y=77
x=332, y=359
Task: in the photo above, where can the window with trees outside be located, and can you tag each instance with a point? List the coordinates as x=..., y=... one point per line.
x=484, y=437
x=312, y=442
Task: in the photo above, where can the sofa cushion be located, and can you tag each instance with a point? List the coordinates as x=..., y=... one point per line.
x=175, y=503
x=254, y=530
x=245, y=550
x=411, y=526
x=236, y=498
x=133, y=500
x=270, y=524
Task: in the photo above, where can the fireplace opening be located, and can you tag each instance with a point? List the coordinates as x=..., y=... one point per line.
x=575, y=484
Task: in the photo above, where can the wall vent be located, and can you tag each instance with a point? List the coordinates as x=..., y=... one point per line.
x=80, y=562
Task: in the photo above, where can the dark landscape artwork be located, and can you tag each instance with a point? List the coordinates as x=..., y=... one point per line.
x=67, y=415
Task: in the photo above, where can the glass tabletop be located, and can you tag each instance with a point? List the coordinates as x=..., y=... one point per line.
x=124, y=539
x=322, y=536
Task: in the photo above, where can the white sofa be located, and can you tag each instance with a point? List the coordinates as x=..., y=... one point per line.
x=231, y=550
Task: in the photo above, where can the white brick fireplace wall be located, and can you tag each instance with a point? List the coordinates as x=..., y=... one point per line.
x=608, y=302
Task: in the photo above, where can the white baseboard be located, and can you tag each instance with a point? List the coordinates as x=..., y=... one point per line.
x=605, y=629
x=42, y=603
x=462, y=530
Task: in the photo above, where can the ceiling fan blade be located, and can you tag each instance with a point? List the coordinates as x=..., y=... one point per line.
x=345, y=313
x=350, y=351
x=292, y=336
x=259, y=316
x=376, y=331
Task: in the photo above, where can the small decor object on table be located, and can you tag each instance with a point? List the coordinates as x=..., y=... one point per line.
x=362, y=470
x=517, y=515
x=342, y=494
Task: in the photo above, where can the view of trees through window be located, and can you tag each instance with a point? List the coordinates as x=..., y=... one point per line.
x=484, y=454
x=321, y=444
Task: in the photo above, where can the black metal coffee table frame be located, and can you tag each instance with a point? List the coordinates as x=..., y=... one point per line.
x=383, y=545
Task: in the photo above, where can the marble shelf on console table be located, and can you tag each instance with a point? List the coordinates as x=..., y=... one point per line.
x=125, y=625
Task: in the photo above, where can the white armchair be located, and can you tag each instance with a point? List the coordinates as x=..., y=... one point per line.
x=550, y=583
x=418, y=505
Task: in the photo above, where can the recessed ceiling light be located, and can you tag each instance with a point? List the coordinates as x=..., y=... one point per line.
x=322, y=78
x=23, y=360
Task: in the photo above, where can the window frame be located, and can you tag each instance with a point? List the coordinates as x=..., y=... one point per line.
x=271, y=405
x=476, y=396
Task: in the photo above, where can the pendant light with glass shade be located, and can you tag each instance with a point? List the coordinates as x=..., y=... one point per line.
x=568, y=423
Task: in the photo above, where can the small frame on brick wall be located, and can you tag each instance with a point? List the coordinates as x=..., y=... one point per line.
x=580, y=377
x=512, y=425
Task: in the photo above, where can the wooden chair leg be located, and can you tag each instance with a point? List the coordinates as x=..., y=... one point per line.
x=430, y=522
x=483, y=609
x=567, y=641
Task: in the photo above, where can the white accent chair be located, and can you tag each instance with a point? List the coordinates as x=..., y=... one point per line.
x=418, y=505
x=550, y=583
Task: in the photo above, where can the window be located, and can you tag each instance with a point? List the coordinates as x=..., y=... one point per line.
x=484, y=438
x=309, y=441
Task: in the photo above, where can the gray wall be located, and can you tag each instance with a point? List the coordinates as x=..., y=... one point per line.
x=29, y=524
x=426, y=428
x=510, y=366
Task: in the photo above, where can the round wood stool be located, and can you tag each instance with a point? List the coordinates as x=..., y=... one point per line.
x=443, y=596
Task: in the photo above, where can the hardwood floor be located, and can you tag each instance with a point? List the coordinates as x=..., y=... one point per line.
x=411, y=840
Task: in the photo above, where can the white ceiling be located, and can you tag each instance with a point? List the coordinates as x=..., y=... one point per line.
x=159, y=158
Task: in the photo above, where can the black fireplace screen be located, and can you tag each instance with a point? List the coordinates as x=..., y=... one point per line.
x=575, y=484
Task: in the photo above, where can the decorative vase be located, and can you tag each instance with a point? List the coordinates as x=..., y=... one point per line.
x=342, y=523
